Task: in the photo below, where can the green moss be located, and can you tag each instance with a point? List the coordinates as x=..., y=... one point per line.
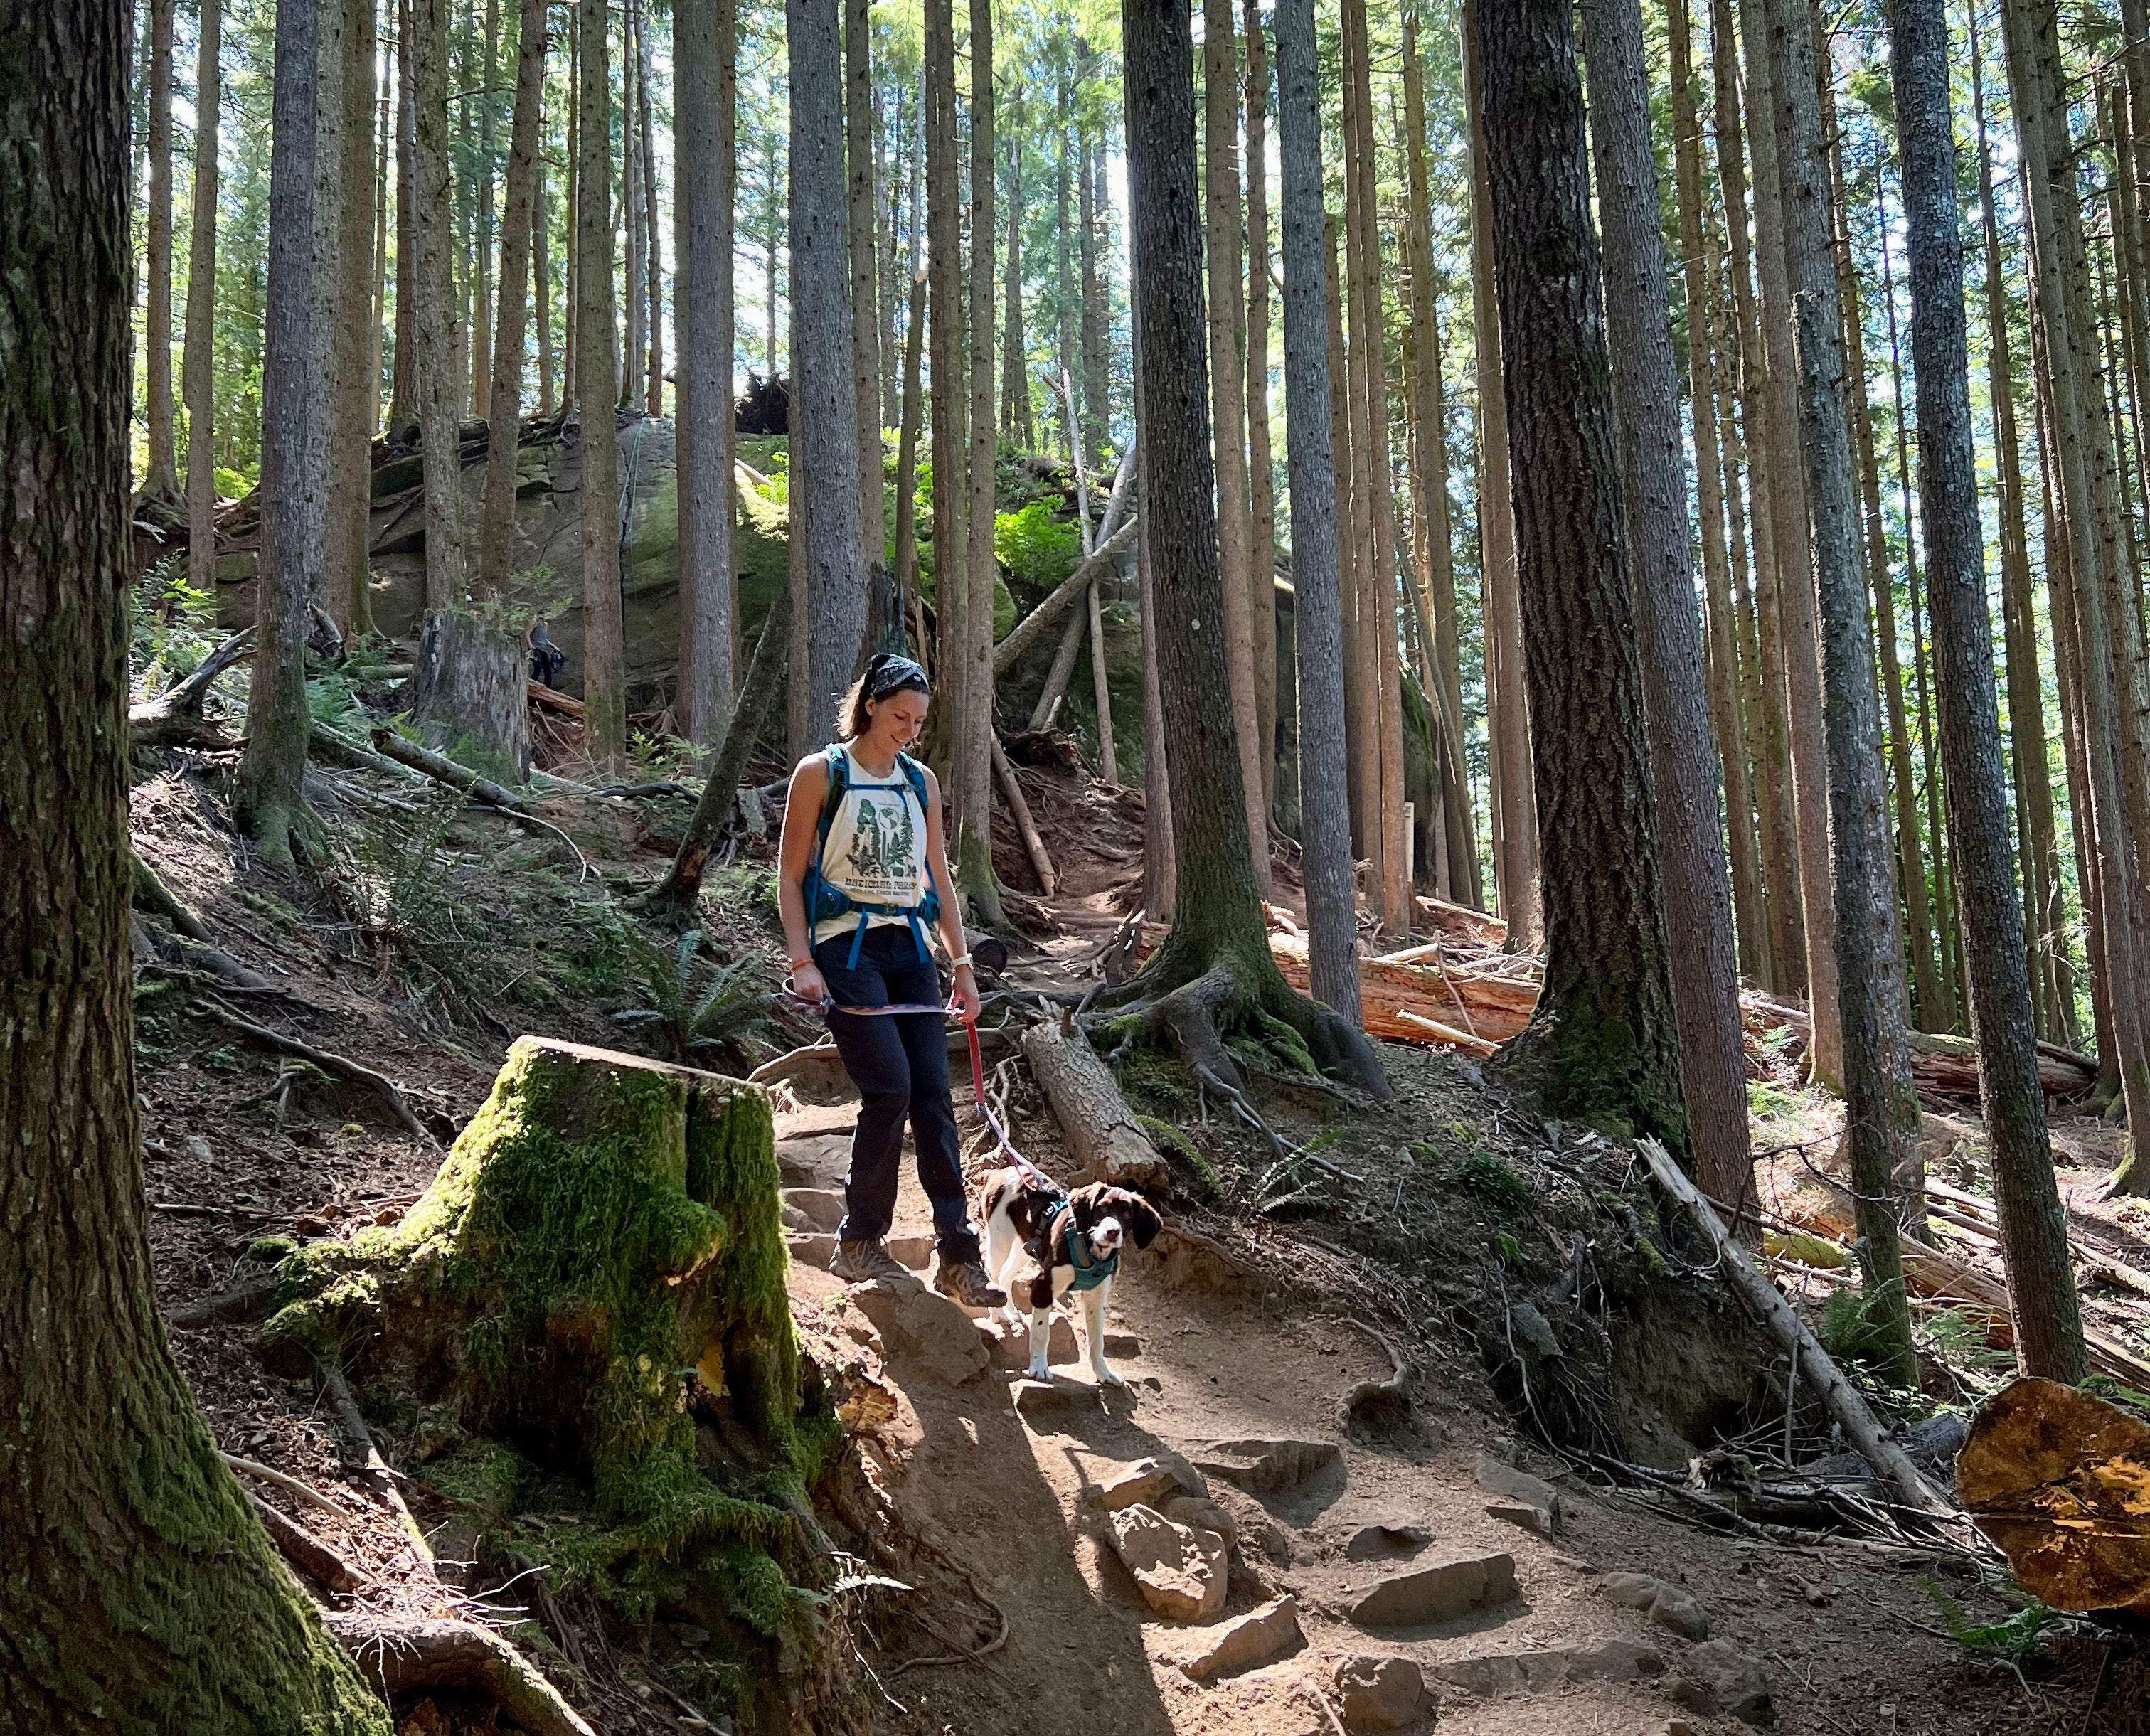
x=1178, y=1148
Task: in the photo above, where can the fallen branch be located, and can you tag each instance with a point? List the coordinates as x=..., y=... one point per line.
x=400, y=1654
x=306, y=1552
x=152, y=894
x=1448, y=1034
x=1019, y=806
x=339, y=1064
x=1032, y=628
x=290, y=1486
x=443, y=770
x=1838, y=1396
x=174, y=718
x=362, y=1459
x=241, y=1305
x=326, y=745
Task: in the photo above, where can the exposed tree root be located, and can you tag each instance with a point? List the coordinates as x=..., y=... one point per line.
x=341, y=1066
x=398, y=1654
x=308, y=1552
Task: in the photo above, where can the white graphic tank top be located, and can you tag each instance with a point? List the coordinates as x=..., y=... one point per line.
x=875, y=849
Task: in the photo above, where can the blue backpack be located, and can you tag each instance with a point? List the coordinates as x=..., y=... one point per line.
x=824, y=900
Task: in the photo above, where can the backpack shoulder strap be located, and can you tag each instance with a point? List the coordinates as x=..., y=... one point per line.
x=839, y=780
x=915, y=775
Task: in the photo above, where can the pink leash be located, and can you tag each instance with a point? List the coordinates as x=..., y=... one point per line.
x=1030, y=1170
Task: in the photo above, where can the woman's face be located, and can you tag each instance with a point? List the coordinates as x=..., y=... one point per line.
x=897, y=719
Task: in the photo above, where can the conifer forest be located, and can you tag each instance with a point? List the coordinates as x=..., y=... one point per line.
x=1517, y=633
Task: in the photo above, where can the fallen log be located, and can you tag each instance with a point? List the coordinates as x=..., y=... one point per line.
x=1032, y=628
x=174, y=718
x=446, y=771
x=2059, y=1480
x=398, y=1654
x=306, y=1552
x=1940, y=1277
x=152, y=894
x=1100, y=1131
x=1019, y=809
x=1838, y=1396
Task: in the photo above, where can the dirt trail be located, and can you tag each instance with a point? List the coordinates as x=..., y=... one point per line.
x=1013, y=1498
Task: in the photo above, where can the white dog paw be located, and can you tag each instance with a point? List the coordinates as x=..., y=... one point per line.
x=1038, y=1371
x=1108, y=1377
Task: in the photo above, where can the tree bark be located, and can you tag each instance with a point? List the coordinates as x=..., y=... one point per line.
x=864, y=259
x=906, y=463
x=633, y=219
x=433, y=334
x=297, y=392
x=944, y=307
x=1096, y=363
x=1881, y=1110
x=1721, y=660
x=1343, y=438
x=162, y=483
x=1261, y=463
x=1748, y=380
x=1228, y=394
x=141, y=1592
x=1317, y=619
x=974, y=814
x=541, y=284
x=1217, y=956
x=2069, y=342
x=604, y=657
x=504, y=416
x=483, y=219
x=1698, y=913
x=2052, y=982
x=1018, y=422
x=1791, y=555
x=1516, y=832
x=1601, y=1043
x=2034, y=1229
x=652, y=234
x=200, y=359
x=705, y=62
x=345, y=581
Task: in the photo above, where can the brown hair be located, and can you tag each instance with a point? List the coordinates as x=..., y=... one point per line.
x=886, y=673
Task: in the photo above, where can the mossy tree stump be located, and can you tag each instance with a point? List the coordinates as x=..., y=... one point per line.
x=595, y=1280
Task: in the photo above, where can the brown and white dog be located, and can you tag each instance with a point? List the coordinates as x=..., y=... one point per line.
x=1101, y=1219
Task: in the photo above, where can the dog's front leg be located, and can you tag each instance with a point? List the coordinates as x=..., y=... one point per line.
x=1040, y=1341
x=1093, y=1334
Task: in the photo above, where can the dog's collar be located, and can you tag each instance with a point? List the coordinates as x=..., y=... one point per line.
x=1089, y=1270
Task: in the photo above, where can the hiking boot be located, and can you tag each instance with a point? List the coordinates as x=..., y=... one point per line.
x=866, y=1262
x=966, y=1283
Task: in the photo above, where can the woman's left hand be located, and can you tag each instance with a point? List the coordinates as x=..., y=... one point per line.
x=963, y=995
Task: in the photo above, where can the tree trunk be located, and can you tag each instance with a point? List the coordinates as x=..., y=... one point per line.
x=906, y=463
x=1068, y=351
x=951, y=396
x=403, y=386
x=380, y=65
x=652, y=234
x=504, y=416
x=1160, y=860
x=541, y=283
x=1227, y=398
x=1881, y=1111
x=1096, y=362
x=1215, y=966
x=864, y=259
x=142, y=1592
x=297, y=396
x=1018, y=423
x=1101, y=689
x=200, y=359
x=345, y=581
x=1601, y=1043
x=1721, y=662
x=1351, y=515
x=484, y=225
x=705, y=73
x=469, y=681
x=1793, y=610
x=974, y=814
x=162, y=483
x=2033, y=1227
x=1516, y=832
x=1698, y=904
x=633, y=219
x=570, y=307
x=1435, y=535
x=433, y=320
x=1325, y=825
x=2069, y=342
x=2052, y=982
x=1749, y=385
x=1103, y=1136
x=604, y=657
x=1261, y=463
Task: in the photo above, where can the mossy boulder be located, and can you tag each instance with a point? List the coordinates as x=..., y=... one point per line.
x=591, y=1294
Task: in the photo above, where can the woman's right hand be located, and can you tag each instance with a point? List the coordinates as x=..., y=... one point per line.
x=809, y=984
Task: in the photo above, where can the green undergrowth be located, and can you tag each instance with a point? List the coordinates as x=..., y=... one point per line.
x=584, y=1322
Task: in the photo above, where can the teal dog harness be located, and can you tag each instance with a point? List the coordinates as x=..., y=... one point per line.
x=1090, y=1271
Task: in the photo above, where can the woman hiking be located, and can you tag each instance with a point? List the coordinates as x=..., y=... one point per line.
x=863, y=873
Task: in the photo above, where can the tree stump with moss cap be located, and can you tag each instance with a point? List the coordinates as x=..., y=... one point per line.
x=595, y=1281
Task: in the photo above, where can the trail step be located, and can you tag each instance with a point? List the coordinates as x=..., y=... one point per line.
x=1379, y=1694
x=822, y=1207
x=1266, y=1467
x=1183, y=1574
x=1041, y=1403
x=1499, y=1675
x=1439, y=1592
x=1245, y=1641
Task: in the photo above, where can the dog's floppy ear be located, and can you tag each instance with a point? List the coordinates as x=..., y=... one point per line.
x=1090, y=1202
x=1142, y=1220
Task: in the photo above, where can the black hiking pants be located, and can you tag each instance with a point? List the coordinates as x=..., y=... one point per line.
x=900, y=1064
